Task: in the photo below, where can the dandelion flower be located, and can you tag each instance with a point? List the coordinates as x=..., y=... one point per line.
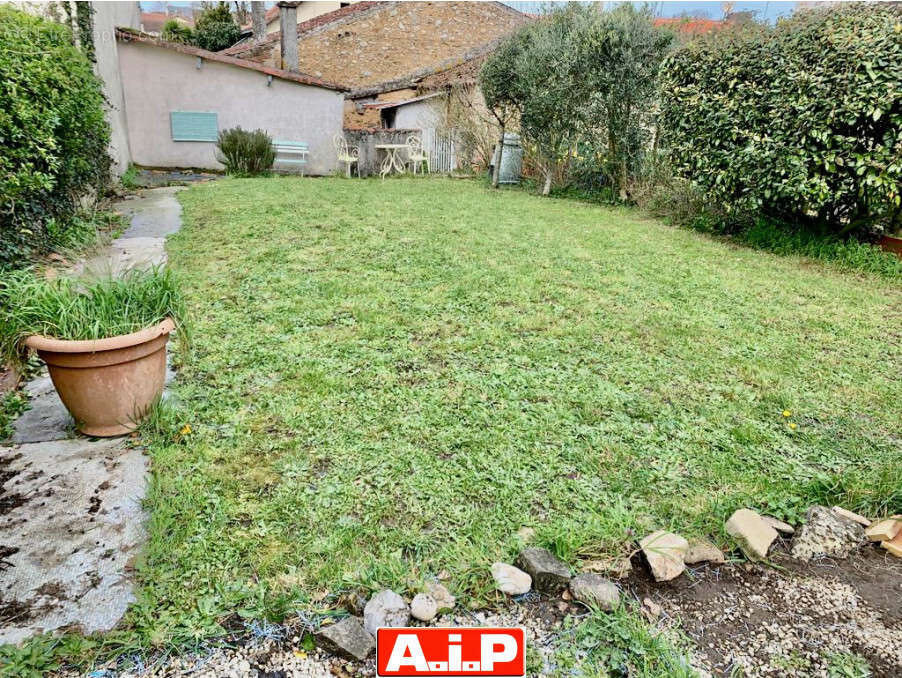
x=787, y=413
x=793, y=426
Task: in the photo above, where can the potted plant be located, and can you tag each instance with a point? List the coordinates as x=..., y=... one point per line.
x=103, y=340
x=892, y=242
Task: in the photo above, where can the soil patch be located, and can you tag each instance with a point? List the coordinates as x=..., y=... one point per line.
x=791, y=618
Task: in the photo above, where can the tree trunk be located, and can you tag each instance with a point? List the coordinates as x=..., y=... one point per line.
x=549, y=171
x=258, y=14
x=496, y=170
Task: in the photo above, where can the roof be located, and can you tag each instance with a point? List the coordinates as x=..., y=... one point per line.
x=370, y=45
x=130, y=35
x=689, y=26
x=308, y=25
x=271, y=15
x=462, y=69
x=394, y=104
x=153, y=22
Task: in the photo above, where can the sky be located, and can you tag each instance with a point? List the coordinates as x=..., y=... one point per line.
x=711, y=10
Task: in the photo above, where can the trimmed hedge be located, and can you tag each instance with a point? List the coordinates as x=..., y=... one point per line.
x=53, y=135
x=800, y=121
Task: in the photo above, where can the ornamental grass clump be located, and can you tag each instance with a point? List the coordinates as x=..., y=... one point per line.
x=74, y=309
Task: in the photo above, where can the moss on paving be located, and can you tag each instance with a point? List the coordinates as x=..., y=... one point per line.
x=390, y=378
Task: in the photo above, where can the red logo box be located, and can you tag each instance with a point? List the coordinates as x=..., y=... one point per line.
x=450, y=652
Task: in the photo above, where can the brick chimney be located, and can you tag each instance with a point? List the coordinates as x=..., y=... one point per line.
x=288, y=24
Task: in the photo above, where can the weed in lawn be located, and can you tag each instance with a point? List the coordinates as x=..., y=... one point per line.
x=620, y=643
x=845, y=665
x=12, y=404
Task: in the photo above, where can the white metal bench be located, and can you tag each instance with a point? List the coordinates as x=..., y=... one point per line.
x=292, y=152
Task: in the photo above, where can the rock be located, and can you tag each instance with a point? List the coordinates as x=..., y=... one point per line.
x=549, y=574
x=347, y=639
x=894, y=546
x=651, y=609
x=511, y=580
x=622, y=568
x=843, y=513
x=753, y=535
x=664, y=552
x=526, y=533
x=701, y=551
x=884, y=530
x=826, y=534
x=779, y=525
x=386, y=608
x=423, y=607
x=444, y=601
x=595, y=591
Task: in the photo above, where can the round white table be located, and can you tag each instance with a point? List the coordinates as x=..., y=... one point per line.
x=392, y=159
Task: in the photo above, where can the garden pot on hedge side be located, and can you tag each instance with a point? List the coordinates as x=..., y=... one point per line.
x=889, y=243
x=107, y=385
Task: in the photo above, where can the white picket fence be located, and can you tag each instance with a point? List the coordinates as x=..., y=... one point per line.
x=440, y=144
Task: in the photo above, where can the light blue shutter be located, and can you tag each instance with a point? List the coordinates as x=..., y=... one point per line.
x=193, y=126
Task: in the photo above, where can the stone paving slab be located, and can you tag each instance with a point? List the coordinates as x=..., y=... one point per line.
x=46, y=419
x=72, y=520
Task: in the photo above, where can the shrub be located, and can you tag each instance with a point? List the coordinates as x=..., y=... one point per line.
x=53, y=135
x=215, y=28
x=245, y=153
x=72, y=308
x=174, y=31
x=800, y=122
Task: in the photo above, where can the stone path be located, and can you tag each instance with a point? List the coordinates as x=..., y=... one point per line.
x=71, y=520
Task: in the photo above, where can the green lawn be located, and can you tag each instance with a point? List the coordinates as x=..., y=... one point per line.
x=391, y=378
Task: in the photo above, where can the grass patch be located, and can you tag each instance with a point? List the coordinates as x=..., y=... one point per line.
x=390, y=378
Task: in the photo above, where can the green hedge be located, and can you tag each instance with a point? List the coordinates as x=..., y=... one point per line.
x=800, y=121
x=53, y=135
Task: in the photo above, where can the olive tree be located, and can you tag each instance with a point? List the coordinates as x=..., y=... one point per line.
x=619, y=53
x=533, y=74
x=580, y=74
x=498, y=91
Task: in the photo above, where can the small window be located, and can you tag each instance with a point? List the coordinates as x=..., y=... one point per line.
x=193, y=126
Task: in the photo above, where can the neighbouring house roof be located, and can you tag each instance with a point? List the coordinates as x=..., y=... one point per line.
x=131, y=35
x=271, y=15
x=461, y=69
x=153, y=22
x=274, y=39
x=369, y=44
x=689, y=26
x=394, y=104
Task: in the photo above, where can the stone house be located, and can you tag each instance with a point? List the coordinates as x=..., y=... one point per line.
x=382, y=50
x=400, y=60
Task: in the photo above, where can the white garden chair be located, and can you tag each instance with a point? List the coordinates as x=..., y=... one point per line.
x=417, y=156
x=349, y=155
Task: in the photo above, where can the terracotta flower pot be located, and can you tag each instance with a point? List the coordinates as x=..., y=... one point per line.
x=107, y=385
x=890, y=243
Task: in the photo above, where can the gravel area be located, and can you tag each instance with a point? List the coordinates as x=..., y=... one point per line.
x=744, y=619
x=276, y=651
